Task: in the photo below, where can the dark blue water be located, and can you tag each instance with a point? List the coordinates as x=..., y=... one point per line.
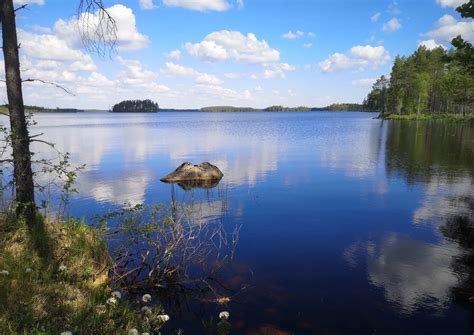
x=350, y=225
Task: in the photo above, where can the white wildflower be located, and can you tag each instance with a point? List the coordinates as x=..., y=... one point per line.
x=224, y=315
x=133, y=331
x=116, y=294
x=146, y=310
x=163, y=318
x=146, y=298
x=145, y=333
x=112, y=301
x=66, y=333
x=29, y=270
x=62, y=268
x=4, y=272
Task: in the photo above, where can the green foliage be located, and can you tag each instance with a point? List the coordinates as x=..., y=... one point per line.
x=38, y=109
x=136, y=106
x=428, y=82
x=53, y=279
x=467, y=10
x=228, y=109
x=278, y=108
x=343, y=107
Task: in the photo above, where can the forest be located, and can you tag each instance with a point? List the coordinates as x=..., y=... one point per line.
x=340, y=107
x=428, y=82
x=135, y=106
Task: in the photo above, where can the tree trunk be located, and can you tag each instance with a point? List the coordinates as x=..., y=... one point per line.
x=22, y=172
x=418, y=109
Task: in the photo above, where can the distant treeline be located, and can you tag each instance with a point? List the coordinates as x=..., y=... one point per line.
x=136, y=106
x=278, y=108
x=228, y=109
x=344, y=107
x=37, y=109
x=429, y=82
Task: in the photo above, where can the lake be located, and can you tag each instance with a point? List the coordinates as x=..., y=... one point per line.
x=350, y=225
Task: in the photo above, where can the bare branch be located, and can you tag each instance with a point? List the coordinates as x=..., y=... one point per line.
x=97, y=27
x=49, y=83
x=41, y=141
x=21, y=7
x=37, y=135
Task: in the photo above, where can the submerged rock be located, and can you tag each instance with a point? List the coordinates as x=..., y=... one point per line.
x=188, y=172
x=188, y=185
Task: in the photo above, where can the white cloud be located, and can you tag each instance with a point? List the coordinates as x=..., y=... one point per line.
x=134, y=73
x=258, y=88
x=293, y=36
x=128, y=37
x=199, y=77
x=392, y=25
x=28, y=2
x=289, y=36
x=215, y=91
x=374, y=54
x=175, y=54
x=336, y=62
x=448, y=28
x=225, y=44
x=147, y=4
x=311, y=34
x=47, y=46
x=364, y=82
x=41, y=29
x=278, y=70
x=358, y=56
x=240, y=4
x=86, y=65
x=307, y=45
x=430, y=44
x=375, y=17
x=199, y=5
x=411, y=272
x=450, y=3
x=233, y=75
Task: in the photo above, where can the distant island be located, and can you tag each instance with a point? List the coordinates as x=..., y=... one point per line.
x=136, y=106
x=341, y=107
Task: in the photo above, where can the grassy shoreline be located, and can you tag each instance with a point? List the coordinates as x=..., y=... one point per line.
x=424, y=117
x=53, y=279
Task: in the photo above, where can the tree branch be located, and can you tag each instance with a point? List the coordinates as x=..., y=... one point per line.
x=41, y=141
x=21, y=7
x=49, y=83
x=97, y=27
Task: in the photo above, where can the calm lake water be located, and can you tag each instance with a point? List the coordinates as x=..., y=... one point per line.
x=350, y=225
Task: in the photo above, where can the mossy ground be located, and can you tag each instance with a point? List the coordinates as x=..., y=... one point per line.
x=53, y=278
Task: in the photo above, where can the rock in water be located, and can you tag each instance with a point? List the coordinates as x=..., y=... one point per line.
x=190, y=172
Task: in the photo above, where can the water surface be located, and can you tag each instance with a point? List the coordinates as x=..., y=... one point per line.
x=349, y=224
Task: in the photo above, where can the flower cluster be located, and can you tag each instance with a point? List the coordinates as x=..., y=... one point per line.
x=115, y=296
x=224, y=315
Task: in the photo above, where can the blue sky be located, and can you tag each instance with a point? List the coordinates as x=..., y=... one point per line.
x=195, y=53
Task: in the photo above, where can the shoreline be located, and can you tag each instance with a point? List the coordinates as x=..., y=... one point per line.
x=424, y=117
